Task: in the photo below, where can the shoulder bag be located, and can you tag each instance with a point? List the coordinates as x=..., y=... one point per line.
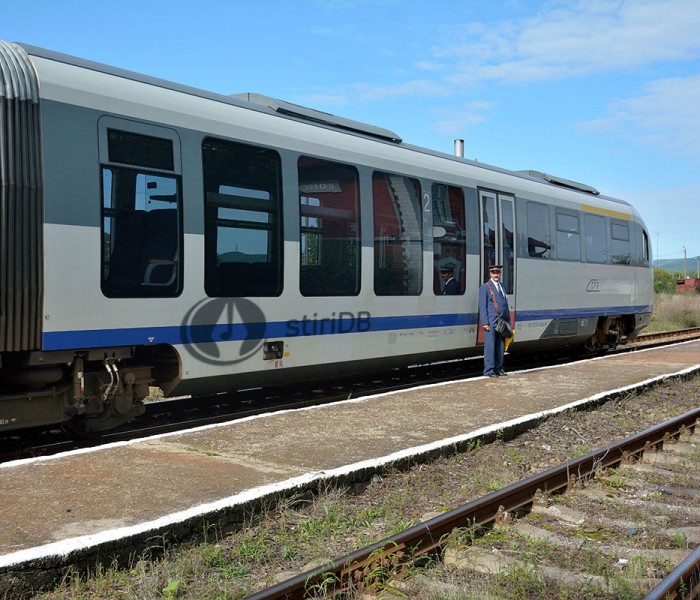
x=502, y=327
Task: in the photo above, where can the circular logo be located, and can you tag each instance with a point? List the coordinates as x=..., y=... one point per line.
x=223, y=331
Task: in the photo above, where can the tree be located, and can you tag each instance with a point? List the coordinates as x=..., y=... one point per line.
x=664, y=282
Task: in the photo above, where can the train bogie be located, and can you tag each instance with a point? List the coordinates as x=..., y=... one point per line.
x=199, y=243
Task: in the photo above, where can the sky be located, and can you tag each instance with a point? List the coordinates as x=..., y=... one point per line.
x=603, y=92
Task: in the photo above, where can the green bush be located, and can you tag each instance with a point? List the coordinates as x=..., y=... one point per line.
x=664, y=282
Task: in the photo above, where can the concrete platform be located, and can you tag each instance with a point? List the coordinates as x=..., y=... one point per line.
x=57, y=509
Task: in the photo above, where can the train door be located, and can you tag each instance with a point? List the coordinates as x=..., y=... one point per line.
x=497, y=214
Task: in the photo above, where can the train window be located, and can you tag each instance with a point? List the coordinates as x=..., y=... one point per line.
x=568, y=236
x=620, y=242
x=398, y=239
x=449, y=235
x=538, y=230
x=596, y=238
x=141, y=231
x=329, y=207
x=646, y=254
x=243, y=219
x=131, y=148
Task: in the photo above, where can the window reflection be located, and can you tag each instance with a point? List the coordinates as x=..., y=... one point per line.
x=398, y=240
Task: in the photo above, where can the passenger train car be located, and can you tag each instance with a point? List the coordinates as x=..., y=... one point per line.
x=153, y=234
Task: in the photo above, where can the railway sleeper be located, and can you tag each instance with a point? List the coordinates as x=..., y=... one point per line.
x=657, y=509
x=660, y=469
x=563, y=519
x=570, y=518
x=488, y=562
x=494, y=562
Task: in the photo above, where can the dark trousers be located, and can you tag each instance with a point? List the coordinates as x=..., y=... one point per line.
x=494, y=348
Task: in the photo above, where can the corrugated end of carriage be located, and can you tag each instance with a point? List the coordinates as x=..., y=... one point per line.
x=21, y=204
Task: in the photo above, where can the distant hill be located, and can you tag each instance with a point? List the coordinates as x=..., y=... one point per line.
x=675, y=265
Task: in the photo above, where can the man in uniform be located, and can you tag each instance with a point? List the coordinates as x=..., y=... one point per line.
x=493, y=303
x=450, y=286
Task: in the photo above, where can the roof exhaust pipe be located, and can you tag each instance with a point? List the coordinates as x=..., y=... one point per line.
x=459, y=148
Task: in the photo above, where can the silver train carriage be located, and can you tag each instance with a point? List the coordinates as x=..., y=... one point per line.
x=153, y=234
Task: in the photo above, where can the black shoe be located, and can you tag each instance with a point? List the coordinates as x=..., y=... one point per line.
x=501, y=373
x=491, y=375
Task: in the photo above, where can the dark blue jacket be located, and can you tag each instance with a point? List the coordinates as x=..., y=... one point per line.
x=487, y=311
x=451, y=287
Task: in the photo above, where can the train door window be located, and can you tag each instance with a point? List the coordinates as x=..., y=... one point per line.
x=449, y=235
x=620, y=250
x=398, y=235
x=596, y=238
x=498, y=235
x=507, y=244
x=329, y=207
x=141, y=210
x=538, y=230
x=568, y=236
x=243, y=219
x=488, y=232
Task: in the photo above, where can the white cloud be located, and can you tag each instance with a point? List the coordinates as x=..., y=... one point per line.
x=431, y=66
x=664, y=116
x=577, y=38
x=563, y=39
x=456, y=121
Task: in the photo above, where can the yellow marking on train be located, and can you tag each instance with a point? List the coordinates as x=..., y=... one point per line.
x=605, y=211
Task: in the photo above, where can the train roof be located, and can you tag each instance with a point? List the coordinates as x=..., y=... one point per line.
x=288, y=110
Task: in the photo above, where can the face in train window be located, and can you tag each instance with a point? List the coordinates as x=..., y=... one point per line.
x=449, y=239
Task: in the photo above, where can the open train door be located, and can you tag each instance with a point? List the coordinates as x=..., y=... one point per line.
x=497, y=218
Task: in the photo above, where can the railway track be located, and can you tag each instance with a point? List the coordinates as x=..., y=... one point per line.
x=625, y=515
x=174, y=415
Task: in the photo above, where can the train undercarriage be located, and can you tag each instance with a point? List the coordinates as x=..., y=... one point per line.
x=93, y=391
x=611, y=331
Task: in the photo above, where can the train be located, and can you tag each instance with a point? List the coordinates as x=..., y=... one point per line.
x=158, y=235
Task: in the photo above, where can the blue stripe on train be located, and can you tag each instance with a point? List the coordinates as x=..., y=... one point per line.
x=569, y=313
x=354, y=323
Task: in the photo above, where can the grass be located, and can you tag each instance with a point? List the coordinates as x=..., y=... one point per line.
x=675, y=311
x=307, y=530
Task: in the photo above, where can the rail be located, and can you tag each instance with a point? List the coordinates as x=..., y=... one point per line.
x=351, y=571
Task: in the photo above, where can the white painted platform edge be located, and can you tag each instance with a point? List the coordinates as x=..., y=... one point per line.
x=70, y=545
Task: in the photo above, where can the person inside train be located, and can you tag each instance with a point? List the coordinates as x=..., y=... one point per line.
x=450, y=286
x=493, y=303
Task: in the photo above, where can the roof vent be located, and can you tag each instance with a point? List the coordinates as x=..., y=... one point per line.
x=317, y=116
x=582, y=187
